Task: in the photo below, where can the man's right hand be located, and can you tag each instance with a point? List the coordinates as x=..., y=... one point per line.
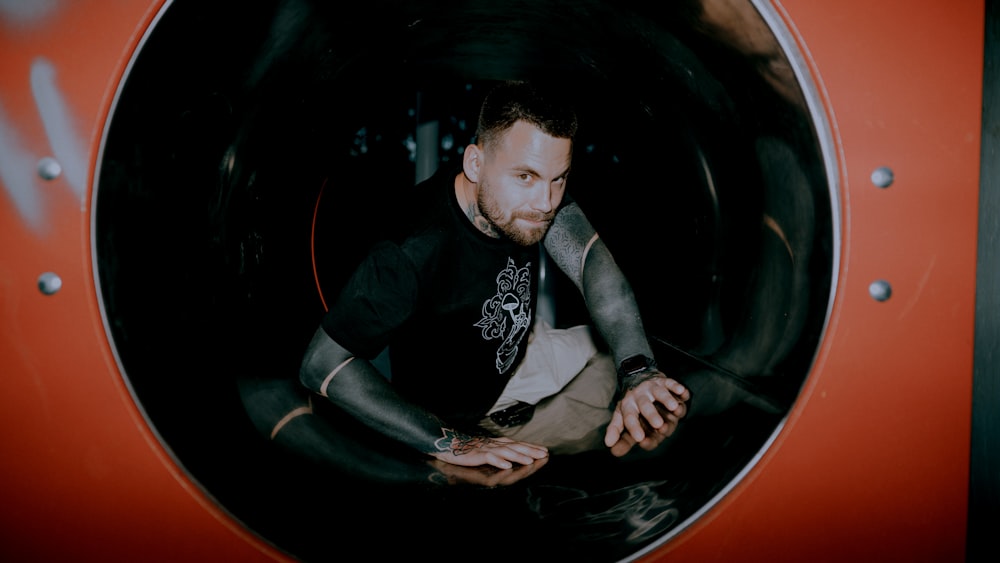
x=470, y=451
x=653, y=436
x=643, y=407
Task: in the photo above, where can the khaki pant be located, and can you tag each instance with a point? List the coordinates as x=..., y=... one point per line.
x=574, y=419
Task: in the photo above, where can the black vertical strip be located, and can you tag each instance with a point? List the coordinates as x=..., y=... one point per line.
x=984, y=477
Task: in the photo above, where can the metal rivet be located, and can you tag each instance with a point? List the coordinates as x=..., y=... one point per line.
x=49, y=168
x=880, y=290
x=49, y=283
x=882, y=177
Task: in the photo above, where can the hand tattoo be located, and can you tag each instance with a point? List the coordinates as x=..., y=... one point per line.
x=458, y=442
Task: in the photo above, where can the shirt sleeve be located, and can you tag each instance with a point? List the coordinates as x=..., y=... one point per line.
x=378, y=298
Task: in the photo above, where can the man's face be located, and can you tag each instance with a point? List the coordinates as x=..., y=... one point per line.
x=522, y=181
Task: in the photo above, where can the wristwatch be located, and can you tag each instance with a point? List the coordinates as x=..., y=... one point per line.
x=634, y=365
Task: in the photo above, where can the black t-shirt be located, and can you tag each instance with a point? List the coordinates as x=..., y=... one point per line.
x=454, y=305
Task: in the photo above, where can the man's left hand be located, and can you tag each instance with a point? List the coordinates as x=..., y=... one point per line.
x=640, y=404
x=482, y=475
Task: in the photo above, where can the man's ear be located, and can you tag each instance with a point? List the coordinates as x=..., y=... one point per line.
x=472, y=161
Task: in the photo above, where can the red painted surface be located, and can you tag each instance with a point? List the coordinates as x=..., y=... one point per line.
x=81, y=477
x=872, y=464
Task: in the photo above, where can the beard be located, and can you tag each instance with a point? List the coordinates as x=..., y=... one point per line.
x=490, y=209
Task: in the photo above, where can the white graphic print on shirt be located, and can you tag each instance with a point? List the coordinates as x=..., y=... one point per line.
x=507, y=314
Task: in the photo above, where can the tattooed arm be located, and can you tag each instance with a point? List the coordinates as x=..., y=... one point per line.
x=577, y=249
x=648, y=399
x=356, y=386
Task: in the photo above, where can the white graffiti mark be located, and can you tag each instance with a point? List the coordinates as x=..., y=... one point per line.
x=18, y=175
x=19, y=165
x=20, y=13
x=58, y=125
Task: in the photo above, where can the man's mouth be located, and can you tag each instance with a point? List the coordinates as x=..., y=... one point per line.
x=540, y=218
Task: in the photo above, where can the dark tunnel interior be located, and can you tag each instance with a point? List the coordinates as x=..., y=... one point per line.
x=246, y=168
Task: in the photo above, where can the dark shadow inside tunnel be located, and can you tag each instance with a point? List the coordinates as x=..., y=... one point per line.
x=245, y=170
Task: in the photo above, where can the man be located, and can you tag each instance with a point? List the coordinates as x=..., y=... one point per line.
x=453, y=296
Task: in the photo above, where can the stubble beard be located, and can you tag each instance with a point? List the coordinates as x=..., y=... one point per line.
x=491, y=211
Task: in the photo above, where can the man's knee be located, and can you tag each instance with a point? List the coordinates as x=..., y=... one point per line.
x=596, y=383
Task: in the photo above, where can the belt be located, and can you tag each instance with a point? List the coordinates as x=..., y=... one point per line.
x=515, y=415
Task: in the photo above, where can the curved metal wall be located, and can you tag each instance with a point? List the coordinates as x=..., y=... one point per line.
x=872, y=463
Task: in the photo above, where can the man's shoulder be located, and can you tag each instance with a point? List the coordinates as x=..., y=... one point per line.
x=422, y=226
x=437, y=188
x=417, y=208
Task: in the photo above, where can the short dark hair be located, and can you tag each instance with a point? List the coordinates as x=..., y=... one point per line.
x=516, y=100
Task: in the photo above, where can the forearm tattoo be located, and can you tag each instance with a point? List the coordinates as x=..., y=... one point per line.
x=458, y=443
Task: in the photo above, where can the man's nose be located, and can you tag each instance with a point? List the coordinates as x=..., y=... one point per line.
x=542, y=200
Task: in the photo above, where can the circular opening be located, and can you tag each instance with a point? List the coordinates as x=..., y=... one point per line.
x=252, y=148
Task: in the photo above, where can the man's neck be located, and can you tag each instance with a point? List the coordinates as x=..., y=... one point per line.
x=467, y=194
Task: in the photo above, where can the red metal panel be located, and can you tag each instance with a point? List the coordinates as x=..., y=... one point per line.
x=82, y=475
x=872, y=463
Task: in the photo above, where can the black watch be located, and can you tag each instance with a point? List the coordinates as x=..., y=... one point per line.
x=634, y=365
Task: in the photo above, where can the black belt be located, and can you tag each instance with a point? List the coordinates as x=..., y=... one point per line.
x=514, y=415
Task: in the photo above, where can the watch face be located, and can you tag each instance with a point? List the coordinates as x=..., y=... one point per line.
x=634, y=364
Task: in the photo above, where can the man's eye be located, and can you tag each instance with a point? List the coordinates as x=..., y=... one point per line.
x=525, y=177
